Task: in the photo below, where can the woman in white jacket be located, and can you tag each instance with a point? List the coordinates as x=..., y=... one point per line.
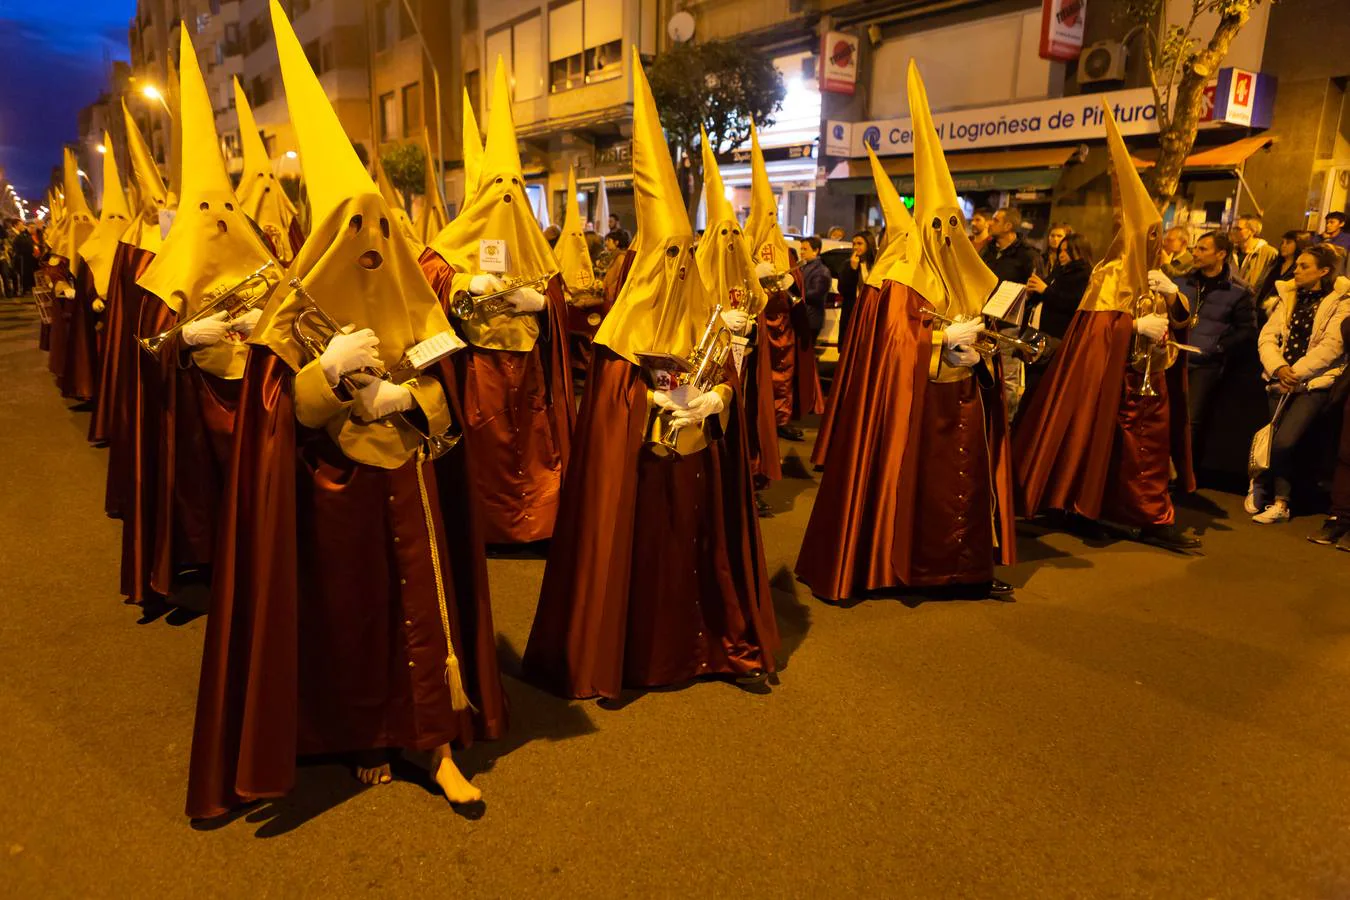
x=1302, y=353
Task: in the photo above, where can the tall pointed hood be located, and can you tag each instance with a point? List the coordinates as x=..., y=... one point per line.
x=211, y=244
x=761, y=226
x=114, y=218
x=79, y=219
x=663, y=304
x=174, y=99
x=499, y=209
x=723, y=253
x=472, y=142
x=602, y=208
x=395, y=204
x=950, y=258
x=574, y=257
x=902, y=260
x=147, y=189
x=433, y=216
x=356, y=264
x=1120, y=279
x=263, y=198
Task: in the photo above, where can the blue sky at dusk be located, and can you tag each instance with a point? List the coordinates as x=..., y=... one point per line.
x=53, y=57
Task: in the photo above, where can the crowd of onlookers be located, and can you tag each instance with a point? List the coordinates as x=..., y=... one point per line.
x=22, y=246
x=1270, y=327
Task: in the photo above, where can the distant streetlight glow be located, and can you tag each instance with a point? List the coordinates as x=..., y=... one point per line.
x=290, y=154
x=101, y=149
x=153, y=93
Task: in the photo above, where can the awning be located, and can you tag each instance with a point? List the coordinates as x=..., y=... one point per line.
x=990, y=170
x=1225, y=156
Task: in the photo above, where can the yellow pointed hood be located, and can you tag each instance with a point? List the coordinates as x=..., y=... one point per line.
x=1120, y=279
x=472, y=142
x=663, y=305
x=951, y=261
x=80, y=220
x=147, y=187
x=723, y=253
x=395, y=204
x=499, y=209
x=433, y=216
x=263, y=198
x=174, y=98
x=211, y=244
x=114, y=219
x=902, y=259
x=356, y=264
x=574, y=257
x=761, y=226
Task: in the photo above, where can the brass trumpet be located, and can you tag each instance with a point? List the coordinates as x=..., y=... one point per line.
x=465, y=305
x=313, y=329
x=989, y=341
x=235, y=300
x=702, y=369
x=1148, y=356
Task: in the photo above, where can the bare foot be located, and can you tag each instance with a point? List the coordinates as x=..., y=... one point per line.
x=374, y=774
x=451, y=779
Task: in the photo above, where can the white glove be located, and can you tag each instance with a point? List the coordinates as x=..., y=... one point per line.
x=736, y=320
x=485, y=284
x=1153, y=326
x=244, y=324
x=527, y=300
x=960, y=334
x=98, y=305
x=377, y=398
x=702, y=406
x=960, y=357
x=205, y=332
x=677, y=400
x=67, y=293
x=1159, y=283
x=347, y=352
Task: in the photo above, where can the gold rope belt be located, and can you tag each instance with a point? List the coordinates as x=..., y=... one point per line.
x=458, y=698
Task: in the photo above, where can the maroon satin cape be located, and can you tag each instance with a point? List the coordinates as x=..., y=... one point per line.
x=838, y=384
x=656, y=574
x=792, y=352
x=324, y=634
x=521, y=411
x=1086, y=444
x=114, y=350
x=61, y=312
x=78, y=375
x=762, y=431
x=123, y=403
x=917, y=489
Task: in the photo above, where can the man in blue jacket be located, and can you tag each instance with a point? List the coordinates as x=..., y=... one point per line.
x=1225, y=322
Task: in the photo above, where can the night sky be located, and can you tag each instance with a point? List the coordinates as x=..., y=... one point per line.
x=52, y=52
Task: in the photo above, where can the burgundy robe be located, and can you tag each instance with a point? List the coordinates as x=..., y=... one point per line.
x=917, y=489
x=762, y=428
x=520, y=410
x=656, y=574
x=791, y=347
x=325, y=634
x=838, y=386
x=78, y=375
x=115, y=350
x=1086, y=444
x=123, y=402
x=62, y=309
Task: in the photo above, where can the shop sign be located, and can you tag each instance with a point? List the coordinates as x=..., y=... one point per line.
x=614, y=154
x=1062, y=28
x=839, y=62
x=771, y=154
x=1238, y=100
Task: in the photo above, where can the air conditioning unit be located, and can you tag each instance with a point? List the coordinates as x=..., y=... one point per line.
x=1102, y=61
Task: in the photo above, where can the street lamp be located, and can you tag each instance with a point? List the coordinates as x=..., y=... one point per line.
x=150, y=92
x=101, y=149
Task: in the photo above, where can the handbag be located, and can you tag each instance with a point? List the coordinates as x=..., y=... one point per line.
x=1258, y=457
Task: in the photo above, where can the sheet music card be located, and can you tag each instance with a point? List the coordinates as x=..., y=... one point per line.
x=1008, y=303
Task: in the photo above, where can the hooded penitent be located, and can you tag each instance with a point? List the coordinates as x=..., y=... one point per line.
x=355, y=265
x=114, y=218
x=259, y=191
x=433, y=217
x=723, y=255
x=951, y=277
x=212, y=244
x=472, y=143
x=80, y=220
x=574, y=257
x=663, y=306
x=147, y=187
x=498, y=211
x=1121, y=278
x=395, y=205
x=902, y=260
x=761, y=226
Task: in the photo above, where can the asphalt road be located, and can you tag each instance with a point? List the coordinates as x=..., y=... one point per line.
x=1138, y=723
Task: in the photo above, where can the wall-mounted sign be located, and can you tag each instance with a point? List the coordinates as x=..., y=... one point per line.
x=1062, y=28
x=839, y=62
x=771, y=154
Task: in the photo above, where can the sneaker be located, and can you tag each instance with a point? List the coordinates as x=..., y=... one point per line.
x=1250, y=503
x=1274, y=513
x=1333, y=529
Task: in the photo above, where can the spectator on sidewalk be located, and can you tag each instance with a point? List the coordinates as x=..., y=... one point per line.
x=1055, y=298
x=1225, y=321
x=1253, y=256
x=853, y=276
x=1176, y=257
x=1334, y=232
x=1335, y=531
x=1010, y=258
x=836, y=233
x=1291, y=245
x=979, y=227
x=1053, y=238
x=1302, y=354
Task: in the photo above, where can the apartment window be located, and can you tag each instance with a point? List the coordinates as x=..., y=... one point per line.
x=412, y=109
x=565, y=51
x=388, y=116
x=298, y=7
x=603, y=35
x=215, y=7
x=230, y=144
x=327, y=57
x=260, y=91
x=203, y=21
x=520, y=44
x=384, y=11
x=232, y=39
x=314, y=56
x=257, y=34
x=584, y=42
x=406, y=26
x=269, y=144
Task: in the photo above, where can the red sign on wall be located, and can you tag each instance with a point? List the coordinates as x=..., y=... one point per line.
x=839, y=62
x=1062, y=28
